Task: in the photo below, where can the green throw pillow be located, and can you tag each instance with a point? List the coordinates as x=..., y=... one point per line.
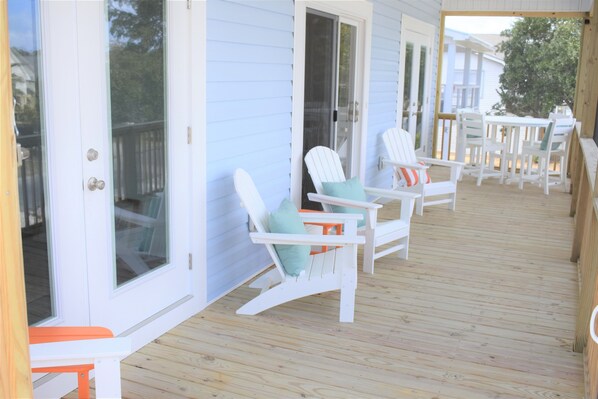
x=286, y=220
x=349, y=189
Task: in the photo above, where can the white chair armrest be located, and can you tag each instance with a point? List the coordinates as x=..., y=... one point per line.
x=416, y=166
x=306, y=239
x=441, y=162
x=323, y=217
x=132, y=217
x=391, y=194
x=328, y=199
x=104, y=353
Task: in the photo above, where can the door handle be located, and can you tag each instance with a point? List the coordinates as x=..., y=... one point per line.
x=354, y=111
x=94, y=184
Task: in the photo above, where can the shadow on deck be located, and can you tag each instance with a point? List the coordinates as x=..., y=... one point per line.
x=484, y=308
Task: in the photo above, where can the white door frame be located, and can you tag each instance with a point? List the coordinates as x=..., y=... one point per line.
x=429, y=31
x=360, y=11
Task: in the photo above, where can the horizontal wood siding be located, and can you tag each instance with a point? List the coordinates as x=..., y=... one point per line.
x=249, y=103
x=384, y=76
x=516, y=5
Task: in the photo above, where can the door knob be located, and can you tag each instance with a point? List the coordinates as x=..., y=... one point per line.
x=93, y=184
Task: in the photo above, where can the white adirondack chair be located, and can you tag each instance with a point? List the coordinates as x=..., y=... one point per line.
x=558, y=134
x=323, y=165
x=328, y=271
x=472, y=134
x=401, y=153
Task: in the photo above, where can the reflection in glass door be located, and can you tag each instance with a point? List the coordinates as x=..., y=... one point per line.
x=331, y=111
x=25, y=60
x=415, y=62
x=137, y=99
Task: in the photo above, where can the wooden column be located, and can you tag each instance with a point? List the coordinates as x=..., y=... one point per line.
x=15, y=374
x=438, y=86
x=586, y=95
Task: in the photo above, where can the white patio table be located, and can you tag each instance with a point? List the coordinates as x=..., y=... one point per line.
x=512, y=127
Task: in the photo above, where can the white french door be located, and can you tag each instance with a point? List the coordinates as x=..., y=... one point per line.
x=417, y=39
x=117, y=108
x=133, y=68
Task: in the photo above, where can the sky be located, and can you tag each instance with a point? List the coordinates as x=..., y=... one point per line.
x=479, y=24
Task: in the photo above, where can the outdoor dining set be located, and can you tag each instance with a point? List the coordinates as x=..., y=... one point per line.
x=529, y=149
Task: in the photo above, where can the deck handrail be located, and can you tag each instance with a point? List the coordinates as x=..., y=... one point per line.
x=584, y=206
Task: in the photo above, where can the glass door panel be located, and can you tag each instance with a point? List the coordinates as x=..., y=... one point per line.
x=331, y=108
x=348, y=107
x=320, y=89
x=408, y=67
x=25, y=59
x=137, y=89
x=414, y=84
x=423, y=59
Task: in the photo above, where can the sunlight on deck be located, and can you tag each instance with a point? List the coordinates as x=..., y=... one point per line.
x=483, y=308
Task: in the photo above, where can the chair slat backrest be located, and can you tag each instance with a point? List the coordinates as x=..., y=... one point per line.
x=399, y=145
x=472, y=124
x=324, y=165
x=562, y=128
x=253, y=203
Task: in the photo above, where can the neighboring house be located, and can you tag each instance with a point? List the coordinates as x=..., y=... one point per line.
x=471, y=70
x=237, y=84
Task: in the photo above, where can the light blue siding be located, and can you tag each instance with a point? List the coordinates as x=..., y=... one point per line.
x=384, y=75
x=249, y=104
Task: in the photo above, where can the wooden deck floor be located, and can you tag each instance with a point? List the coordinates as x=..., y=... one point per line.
x=483, y=308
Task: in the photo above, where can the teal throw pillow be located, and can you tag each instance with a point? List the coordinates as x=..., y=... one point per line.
x=544, y=143
x=286, y=220
x=349, y=189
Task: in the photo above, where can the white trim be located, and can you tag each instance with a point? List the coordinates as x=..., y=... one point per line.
x=198, y=208
x=361, y=11
x=61, y=120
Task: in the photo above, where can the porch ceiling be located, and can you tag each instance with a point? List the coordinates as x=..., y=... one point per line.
x=484, y=307
x=517, y=6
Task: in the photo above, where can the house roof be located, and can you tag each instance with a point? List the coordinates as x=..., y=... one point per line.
x=468, y=40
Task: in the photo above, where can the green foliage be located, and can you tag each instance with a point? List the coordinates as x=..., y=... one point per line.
x=137, y=72
x=541, y=56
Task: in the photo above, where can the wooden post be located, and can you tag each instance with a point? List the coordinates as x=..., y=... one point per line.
x=586, y=95
x=438, y=86
x=15, y=373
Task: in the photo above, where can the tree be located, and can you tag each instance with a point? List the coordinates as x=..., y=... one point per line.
x=137, y=80
x=541, y=56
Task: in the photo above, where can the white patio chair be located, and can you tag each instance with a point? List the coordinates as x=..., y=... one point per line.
x=335, y=269
x=483, y=149
x=323, y=165
x=410, y=171
x=554, y=145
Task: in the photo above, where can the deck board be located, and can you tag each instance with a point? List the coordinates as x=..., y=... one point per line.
x=484, y=308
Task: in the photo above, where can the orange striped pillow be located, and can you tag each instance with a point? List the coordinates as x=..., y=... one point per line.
x=411, y=176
